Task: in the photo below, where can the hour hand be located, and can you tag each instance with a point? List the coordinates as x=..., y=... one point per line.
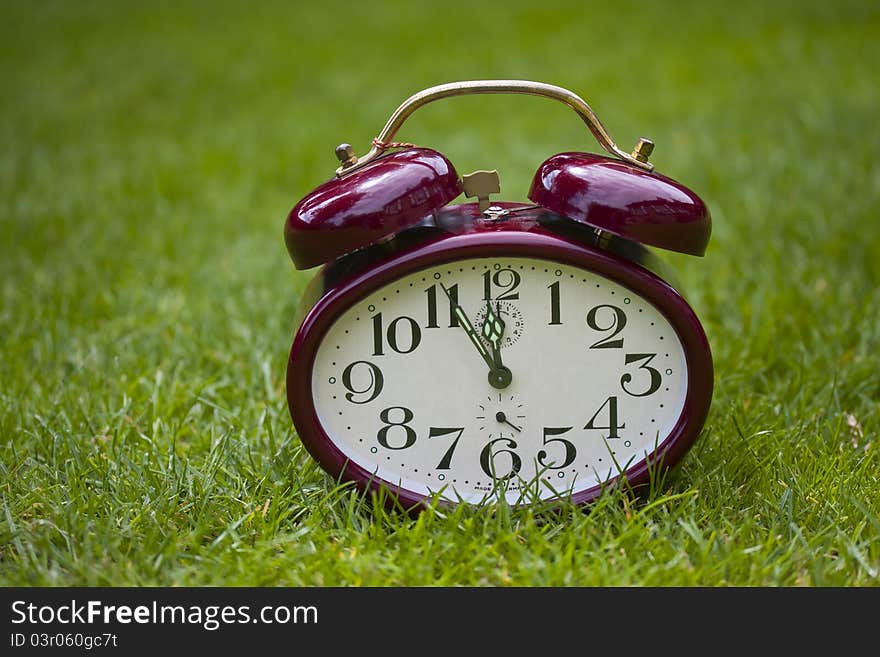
x=493, y=331
x=499, y=376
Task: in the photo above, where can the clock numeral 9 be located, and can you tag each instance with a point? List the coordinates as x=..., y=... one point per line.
x=507, y=279
x=379, y=336
x=373, y=388
x=618, y=321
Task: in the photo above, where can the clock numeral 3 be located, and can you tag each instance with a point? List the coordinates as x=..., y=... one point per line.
x=618, y=321
x=656, y=378
x=373, y=389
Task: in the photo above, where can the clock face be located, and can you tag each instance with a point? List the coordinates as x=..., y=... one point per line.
x=511, y=377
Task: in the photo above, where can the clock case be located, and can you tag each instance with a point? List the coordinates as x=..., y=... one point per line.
x=392, y=215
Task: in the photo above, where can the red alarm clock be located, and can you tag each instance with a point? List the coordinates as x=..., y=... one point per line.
x=495, y=351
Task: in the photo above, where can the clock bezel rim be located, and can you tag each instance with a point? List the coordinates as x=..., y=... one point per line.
x=536, y=243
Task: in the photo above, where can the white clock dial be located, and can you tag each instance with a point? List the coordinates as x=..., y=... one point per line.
x=597, y=380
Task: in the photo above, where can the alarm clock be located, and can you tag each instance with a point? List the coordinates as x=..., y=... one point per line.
x=490, y=351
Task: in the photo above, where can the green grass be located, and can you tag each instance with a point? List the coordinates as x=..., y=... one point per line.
x=149, y=153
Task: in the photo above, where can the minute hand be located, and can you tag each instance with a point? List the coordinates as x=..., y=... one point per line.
x=499, y=377
x=469, y=329
x=493, y=331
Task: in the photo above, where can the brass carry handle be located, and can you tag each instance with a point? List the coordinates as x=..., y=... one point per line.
x=638, y=157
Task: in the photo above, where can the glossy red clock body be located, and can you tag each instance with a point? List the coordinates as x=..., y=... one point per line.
x=461, y=233
x=496, y=352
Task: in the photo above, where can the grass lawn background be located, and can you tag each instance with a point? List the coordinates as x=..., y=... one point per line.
x=149, y=153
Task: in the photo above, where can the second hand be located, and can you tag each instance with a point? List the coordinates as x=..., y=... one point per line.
x=501, y=417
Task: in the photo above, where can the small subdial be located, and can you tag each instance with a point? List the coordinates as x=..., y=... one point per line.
x=511, y=316
x=501, y=415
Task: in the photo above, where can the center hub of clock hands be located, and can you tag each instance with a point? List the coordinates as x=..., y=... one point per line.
x=502, y=418
x=500, y=377
x=505, y=409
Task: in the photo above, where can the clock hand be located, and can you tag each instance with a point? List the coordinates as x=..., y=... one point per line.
x=469, y=329
x=501, y=417
x=493, y=331
x=499, y=376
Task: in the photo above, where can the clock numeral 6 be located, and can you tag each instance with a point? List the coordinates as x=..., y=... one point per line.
x=379, y=335
x=488, y=456
x=373, y=389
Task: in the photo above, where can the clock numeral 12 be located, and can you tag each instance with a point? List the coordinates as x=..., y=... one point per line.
x=507, y=279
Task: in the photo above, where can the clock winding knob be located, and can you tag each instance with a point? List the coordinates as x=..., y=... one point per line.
x=643, y=149
x=346, y=155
